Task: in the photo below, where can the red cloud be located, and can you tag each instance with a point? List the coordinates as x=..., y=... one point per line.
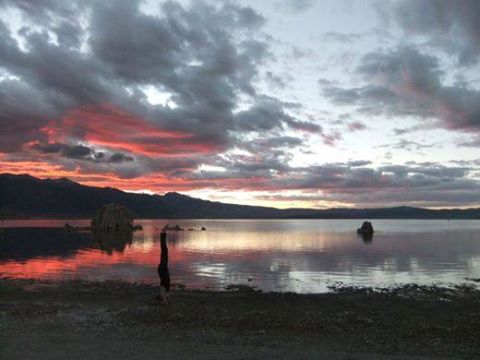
x=111, y=127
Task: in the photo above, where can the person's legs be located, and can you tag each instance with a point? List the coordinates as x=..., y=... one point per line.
x=163, y=297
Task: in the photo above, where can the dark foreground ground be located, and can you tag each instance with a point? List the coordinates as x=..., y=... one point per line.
x=84, y=320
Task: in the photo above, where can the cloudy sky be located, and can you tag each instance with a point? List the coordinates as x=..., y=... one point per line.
x=287, y=103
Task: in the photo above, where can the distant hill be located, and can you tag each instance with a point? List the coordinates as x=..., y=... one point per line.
x=27, y=196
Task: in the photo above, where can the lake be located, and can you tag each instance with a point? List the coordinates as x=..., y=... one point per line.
x=304, y=256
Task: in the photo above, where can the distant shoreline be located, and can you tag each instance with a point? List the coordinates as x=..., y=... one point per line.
x=68, y=217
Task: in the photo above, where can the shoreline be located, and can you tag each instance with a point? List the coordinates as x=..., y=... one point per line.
x=98, y=319
x=89, y=218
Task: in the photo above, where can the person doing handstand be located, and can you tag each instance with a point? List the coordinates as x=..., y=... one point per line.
x=163, y=273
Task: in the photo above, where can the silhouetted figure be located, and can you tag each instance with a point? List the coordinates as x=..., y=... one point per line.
x=163, y=269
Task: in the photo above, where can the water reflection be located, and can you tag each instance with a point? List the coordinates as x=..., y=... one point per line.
x=110, y=241
x=21, y=244
x=291, y=255
x=366, y=238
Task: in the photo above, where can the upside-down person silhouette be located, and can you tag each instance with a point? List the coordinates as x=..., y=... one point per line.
x=163, y=269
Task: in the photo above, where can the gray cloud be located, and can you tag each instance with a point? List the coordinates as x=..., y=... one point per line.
x=204, y=56
x=77, y=151
x=342, y=38
x=266, y=114
x=472, y=142
x=75, y=96
x=68, y=151
x=356, y=126
x=276, y=81
x=406, y=82
x=119, y=158
x=80, y=152
x=295, y=6
x=408, y=145
x=356, y=163
x=427, y=184
x=452, y=26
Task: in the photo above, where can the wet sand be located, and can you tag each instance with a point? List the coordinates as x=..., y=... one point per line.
x=86, y=320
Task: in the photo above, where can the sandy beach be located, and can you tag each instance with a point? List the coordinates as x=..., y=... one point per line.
x=87, y=320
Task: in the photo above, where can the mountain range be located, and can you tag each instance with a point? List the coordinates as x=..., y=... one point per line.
x=26, y=196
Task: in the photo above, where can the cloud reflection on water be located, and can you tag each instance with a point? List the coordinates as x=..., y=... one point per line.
x=290, y=255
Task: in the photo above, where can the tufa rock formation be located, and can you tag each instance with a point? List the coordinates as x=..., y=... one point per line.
x=366, y=228
x=112, y=217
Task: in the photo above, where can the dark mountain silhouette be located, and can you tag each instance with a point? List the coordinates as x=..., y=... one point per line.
x=27, y=196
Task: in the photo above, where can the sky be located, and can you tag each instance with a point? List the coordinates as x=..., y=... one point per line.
x=285, y=103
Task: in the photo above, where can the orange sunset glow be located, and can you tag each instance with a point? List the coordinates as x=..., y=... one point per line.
x=205, y=99
x=199, y=179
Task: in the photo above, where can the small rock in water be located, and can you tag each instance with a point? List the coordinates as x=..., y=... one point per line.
x=366, y=228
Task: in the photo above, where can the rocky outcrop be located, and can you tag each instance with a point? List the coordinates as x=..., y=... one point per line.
x=168, y=227
x=366, y=228
x=112, y=217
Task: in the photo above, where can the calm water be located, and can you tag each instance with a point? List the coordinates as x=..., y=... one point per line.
x=273, y=255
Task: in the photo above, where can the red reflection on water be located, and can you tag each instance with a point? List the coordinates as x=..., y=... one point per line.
x=186, y=249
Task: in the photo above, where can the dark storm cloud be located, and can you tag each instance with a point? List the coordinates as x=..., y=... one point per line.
x=48, y=80
x=73, y=95
x=69, y=151
x=191, y=53
x=205, y=57
x=119, y=158
x=80, y=152
x=46, y=11
x=20, y=122
x=406, y=82
x=60, y=17
x=452, y=26
x=266, y=114
x=77, y=152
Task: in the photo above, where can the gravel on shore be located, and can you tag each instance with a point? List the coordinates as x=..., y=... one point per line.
x=106, y=320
